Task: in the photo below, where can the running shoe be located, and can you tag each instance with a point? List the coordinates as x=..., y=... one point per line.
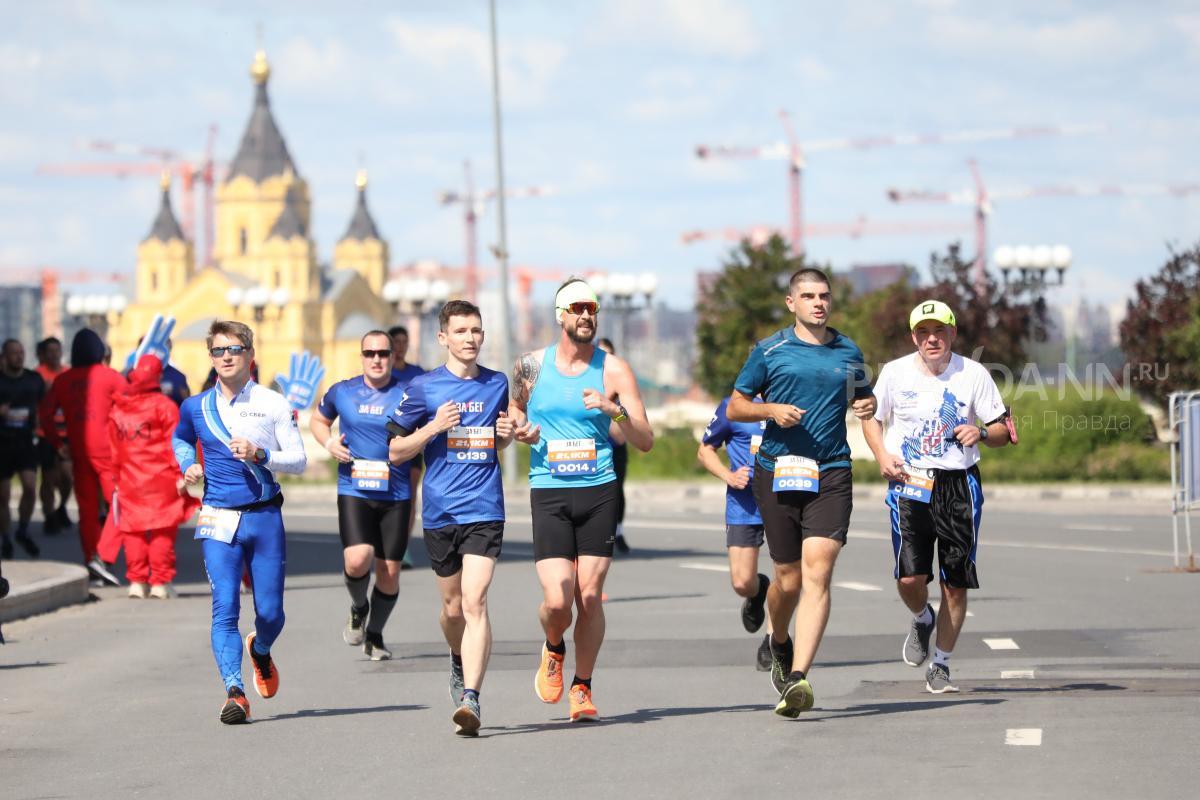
x=139, y=591
x=3, y=587
x=754, y=609
x=763, y=657
x=937, y=679
x=796, y=696
x=548, y=683
x=781, y=663
x=466, y=717
x=356, y=627
x=50, y=526
x=375, y=649
x=266, y=677
x=236, y=710
x=102, y=572
x=6, y=548
x=582, y=709
x=27, y=544
x=456, y=682
x=62, y=518
x=163, y=591
x=916, y=644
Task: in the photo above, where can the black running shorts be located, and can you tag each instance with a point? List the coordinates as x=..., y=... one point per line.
x=448, y=545
x=792, y=517
x=568, y=523
x=383, y=524
x=17, y=454
x=950, y=519
x=743, y=535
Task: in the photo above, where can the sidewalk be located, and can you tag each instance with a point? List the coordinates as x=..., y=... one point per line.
x=41, y=586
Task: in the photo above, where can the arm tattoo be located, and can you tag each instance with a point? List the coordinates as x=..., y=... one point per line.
x=525, y=374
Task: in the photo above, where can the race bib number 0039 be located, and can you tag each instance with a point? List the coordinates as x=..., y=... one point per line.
x=471, y=445
x=918, y=487
x=571, y=456
x=370, y=476
x=796, y=474
x=218, y=524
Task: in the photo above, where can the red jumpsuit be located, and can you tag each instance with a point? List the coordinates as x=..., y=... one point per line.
x=149, y=505
x=85, y=393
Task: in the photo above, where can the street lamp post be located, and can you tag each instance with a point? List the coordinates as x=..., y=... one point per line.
x=260, y=300
x=1033, y=265
x=622, y=294
x=420, y=299
x=97, y=311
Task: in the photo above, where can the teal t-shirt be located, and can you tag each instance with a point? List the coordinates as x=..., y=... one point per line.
x=574, y=449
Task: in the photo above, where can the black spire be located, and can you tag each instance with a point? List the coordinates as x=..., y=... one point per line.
x=289, y=224
x=166, y=227
x=263, y=152
x=362, y=226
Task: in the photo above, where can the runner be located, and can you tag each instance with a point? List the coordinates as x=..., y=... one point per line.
x=743, y=523
x=806, y=374
x=240, y=524
x=620, y=456
x=20, y=392
x=406, y=372
x=930, y=401
x=374, y=497
x=456, y=414
x=565, y=393
x=56, y=472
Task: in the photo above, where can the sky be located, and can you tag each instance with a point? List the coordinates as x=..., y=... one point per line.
x=605, y=101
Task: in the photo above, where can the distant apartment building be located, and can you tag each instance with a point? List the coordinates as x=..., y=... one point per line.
x=21, y=316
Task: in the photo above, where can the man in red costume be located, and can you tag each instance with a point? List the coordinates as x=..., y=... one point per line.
x=85, y=393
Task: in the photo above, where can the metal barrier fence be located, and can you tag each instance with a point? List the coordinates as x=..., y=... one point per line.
x=1185, y=469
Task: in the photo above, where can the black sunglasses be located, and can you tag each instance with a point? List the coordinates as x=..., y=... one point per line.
x=232, y=349
x=581, y=306
x=377, y=353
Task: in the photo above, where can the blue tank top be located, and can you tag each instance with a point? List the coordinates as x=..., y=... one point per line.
x=574, y=449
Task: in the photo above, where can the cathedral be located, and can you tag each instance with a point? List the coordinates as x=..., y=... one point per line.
x=264, y=268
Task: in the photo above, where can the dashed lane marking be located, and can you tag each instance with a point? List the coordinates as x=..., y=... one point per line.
x=709, y=567
x=855, y=586
x=1023, y=737
x=1016, y=674
x=1083, y=526
x=1001, y=644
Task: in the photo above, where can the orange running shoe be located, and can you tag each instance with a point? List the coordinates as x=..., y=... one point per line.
x=547, y=684
x=266, y=677
x=582, y=710
x=236, y=709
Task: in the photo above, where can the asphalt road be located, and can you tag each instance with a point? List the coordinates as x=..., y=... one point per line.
x=1079, y=668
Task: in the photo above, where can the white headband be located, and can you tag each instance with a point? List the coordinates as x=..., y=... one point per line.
x=573, y=292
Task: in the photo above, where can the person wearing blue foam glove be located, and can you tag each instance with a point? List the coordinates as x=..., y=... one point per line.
x=299, y=386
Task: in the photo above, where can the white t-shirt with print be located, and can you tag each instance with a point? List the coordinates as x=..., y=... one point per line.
x=921, y=411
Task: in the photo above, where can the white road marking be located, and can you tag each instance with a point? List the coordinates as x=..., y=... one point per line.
x=855, y=586
x=1023, y=737
x=709, y=567
x=1001, y=644
x=1083, y=526
x=1016, y=674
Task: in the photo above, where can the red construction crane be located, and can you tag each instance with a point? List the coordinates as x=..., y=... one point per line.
x=759, y=234
x=473, y=205
x=793, y=150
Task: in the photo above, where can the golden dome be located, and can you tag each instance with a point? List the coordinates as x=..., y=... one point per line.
x=260, y=70
x=360, y=179
x=164, y=179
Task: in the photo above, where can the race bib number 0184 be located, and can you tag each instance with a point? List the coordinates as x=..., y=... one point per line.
x=918, y=487
x=370, y=476
x=571, y=456
x=796, y=474
x=471, y=445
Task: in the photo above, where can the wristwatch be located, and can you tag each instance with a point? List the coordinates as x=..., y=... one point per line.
x=983, y=434
x=622, y=414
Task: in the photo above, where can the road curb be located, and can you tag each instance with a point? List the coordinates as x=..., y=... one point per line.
x=38, y=587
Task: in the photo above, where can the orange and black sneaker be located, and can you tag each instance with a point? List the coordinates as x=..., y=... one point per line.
x=266, y=677
x=582, y=710
x=548, y=683
x=236, y=710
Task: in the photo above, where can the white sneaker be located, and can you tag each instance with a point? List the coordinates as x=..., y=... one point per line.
x=139, y=591
x=163, y=591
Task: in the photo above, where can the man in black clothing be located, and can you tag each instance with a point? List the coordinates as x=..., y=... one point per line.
x=20, y=392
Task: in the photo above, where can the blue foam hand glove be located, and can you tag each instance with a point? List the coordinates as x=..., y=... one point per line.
x=299, y=386
x=154, y=342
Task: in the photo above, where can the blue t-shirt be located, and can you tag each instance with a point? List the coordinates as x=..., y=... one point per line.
x=363, y=411
x=741, y=441
x=462, y=471
x=822, y=379
x=406, y=373
x=174, y=385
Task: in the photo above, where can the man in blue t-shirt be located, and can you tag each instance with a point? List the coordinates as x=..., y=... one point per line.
x=457, y=416
x=807, y=374
x=406, y=372
x=743, y=523
x=374, y=496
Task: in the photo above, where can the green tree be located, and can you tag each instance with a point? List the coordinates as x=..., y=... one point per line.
x=1160, y=334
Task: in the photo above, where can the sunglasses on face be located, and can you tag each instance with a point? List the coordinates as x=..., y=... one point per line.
x=385, y=354
x=581, y=306
x=232, y=349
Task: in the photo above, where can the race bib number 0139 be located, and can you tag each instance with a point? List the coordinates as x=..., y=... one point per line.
x=218, y=524
x=571, y=456
x=370, y=476
x=918, y=487
x=471, y=445
x=796, y=474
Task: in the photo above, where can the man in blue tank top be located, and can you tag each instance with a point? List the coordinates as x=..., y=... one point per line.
x=567, y=393
x=457, y=415
x=374, y=497
x=807, y=374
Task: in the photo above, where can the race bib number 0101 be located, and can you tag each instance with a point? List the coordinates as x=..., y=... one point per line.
x=218, y=524
x=370, y=476
x=471, y=445
x=571, y=456
x=918, y=487
x=796, y=474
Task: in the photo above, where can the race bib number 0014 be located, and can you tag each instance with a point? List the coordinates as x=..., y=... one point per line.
x=218, y=524
x=370, y=476
x=471, y=445
x=571, y=456
x=796, y=474
x=918, y=487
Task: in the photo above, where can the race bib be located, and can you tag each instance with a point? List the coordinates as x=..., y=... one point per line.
x=471, y=445
x=918, y=487
x=795, y=474
x=571, y=456
x=370, y=476
x=755, y=443
x=16, y=418
x=218, y=524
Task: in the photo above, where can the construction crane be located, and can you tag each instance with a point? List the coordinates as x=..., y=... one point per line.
x=856, y=229
x=980, y=198
x=794, y=151
x=188, y=171
x=50, y=279
x=473, y=204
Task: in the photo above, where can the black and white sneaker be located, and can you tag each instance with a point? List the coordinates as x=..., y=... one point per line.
x=916, y=644
x=781, y=663
x=937, y=679
x=456, y=683
x=375, y=649
x=356, y=626
x=102, y=572
x=763, y=657
x=754, y=609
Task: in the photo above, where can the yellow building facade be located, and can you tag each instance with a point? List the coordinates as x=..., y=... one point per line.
x=265, y=270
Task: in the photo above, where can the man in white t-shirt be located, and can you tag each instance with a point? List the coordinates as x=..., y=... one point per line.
x=931, y=401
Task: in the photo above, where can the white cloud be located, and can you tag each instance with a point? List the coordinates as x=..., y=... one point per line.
x=1189, y=26
x=813, y=69
x=670, y=109
x=706, y=27
x=1080, y=38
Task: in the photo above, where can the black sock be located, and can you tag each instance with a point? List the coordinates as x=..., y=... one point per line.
x=358, y=590
x=375, y=639
x=456, y=660
x=795, y=675
x=785, y=647
x=578, y=681
x=559, y=649
x=467, y=693
x=23, y=528
x=235, y=691
x=381, y=608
